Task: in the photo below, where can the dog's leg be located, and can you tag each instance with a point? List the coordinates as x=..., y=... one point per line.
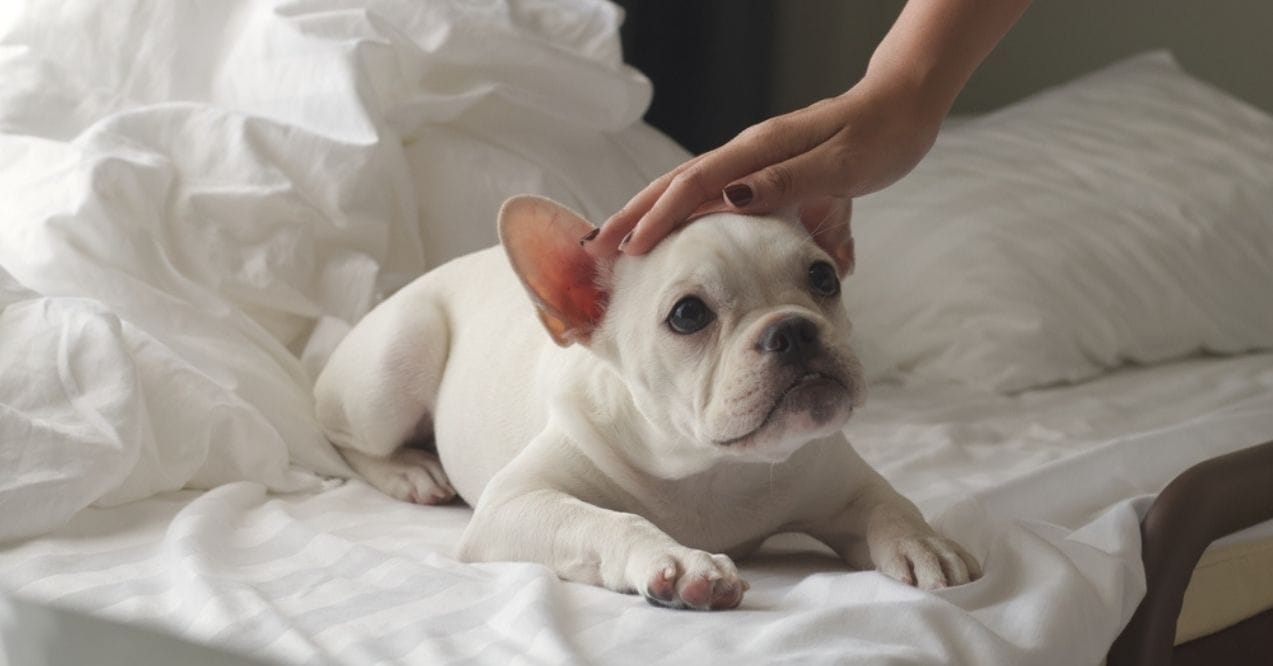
x=881, y=529
x=408, y=474
x=586, y=543
x=377, y=391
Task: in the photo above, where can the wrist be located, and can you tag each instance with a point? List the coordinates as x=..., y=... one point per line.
x=908, y=96
x=912, y=84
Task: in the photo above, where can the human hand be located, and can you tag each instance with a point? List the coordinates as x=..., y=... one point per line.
x=843, y=147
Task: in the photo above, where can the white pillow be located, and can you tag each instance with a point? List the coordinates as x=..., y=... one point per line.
x=1124, y=216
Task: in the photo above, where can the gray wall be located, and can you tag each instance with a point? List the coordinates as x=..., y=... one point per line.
x=822, y=46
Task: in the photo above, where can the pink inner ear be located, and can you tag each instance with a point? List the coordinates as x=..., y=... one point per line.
x=541, y=238
x=564, y=281
x=585, y=303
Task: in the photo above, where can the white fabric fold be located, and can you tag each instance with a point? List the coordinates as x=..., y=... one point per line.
x=191, y=190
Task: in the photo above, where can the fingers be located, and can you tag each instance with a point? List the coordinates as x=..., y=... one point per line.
x=819, y=172
x=846, y=146
x=606, y=242
x=684, y=194
x=698, y=185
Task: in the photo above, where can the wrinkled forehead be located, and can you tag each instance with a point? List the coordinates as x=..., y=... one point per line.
x=748, y=250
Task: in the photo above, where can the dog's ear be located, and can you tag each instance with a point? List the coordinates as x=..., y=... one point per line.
x=827, y=221
x=541, y=238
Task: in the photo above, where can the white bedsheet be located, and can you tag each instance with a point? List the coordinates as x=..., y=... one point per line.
x=1036, y=485
x=198, y=199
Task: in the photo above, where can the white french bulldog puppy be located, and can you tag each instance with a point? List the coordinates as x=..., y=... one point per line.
x=682, y=407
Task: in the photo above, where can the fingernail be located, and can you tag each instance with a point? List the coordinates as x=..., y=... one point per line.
x=738, y=194
x=624, y=243
x=589, y=236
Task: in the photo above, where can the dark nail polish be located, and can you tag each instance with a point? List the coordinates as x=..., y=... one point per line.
x=624, y=243
x=738, y=194
x=589, y=236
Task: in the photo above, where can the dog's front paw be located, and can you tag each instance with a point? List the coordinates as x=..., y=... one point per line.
x=688, y=578
x=927, y=561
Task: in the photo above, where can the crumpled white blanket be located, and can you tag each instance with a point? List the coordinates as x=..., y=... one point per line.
x=197, y=199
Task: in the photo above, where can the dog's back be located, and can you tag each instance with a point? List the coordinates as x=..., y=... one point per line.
x=401, y=356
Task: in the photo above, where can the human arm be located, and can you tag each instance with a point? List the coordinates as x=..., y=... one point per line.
x=856, y=143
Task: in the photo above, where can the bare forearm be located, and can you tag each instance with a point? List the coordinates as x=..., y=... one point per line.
x=937, y=44
x=853, y=144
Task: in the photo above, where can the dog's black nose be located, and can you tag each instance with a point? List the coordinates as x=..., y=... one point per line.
x=793, y=339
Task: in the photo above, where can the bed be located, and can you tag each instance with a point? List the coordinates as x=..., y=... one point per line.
x=192, y=222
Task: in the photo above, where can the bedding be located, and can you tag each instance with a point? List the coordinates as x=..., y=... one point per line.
x=347, y=575
x=1126, y=216
x=199, y=201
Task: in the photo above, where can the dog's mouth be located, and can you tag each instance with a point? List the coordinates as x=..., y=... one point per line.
x=818, y=395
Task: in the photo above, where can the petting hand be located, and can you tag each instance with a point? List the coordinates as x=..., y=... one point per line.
x=843, y=147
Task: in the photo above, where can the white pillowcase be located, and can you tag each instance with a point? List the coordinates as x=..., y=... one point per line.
x=1124, y=216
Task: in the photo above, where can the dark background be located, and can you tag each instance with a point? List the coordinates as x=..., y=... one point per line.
x=711, y=63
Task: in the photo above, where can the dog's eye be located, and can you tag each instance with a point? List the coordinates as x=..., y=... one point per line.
x=823, y=280
x=689, y=315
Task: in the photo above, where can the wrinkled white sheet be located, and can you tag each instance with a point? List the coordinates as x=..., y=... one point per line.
x=1036, y=485
x=198, y=199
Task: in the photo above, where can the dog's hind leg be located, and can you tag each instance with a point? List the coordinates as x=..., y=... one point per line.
x=408, y=474
x=376, y=394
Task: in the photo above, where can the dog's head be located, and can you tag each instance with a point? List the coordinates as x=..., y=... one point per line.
x=730, y=334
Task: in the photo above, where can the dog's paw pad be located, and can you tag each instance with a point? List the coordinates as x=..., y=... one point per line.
x=696, y=591
x=662, y=586
x=694, y=579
